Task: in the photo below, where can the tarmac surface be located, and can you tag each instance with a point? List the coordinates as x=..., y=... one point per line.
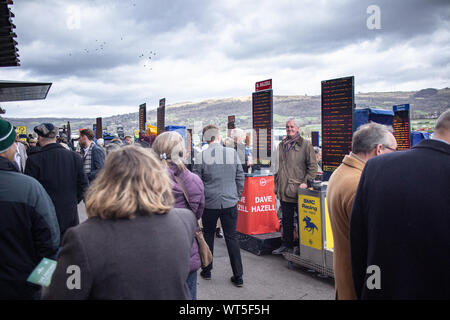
x=266, y=277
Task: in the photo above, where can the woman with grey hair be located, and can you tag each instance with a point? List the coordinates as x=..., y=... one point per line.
x=187, y=189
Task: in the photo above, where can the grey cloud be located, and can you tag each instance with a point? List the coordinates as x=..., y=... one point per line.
x=400, y=22
x=126, y=33
x=301, y=31
x=136, y=26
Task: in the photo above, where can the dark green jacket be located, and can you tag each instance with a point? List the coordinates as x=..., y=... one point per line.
x=29, y=231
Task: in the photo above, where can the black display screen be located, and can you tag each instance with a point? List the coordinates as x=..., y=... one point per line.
x=262, y=112
x=315, y=138
x=337, y=121
x=99, y=129
x=160, y=116
x=142, y=117
x=402, y=127
x=231, y=122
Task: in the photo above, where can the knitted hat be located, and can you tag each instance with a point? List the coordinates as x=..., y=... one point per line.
x=7, y=135
x=46, y=130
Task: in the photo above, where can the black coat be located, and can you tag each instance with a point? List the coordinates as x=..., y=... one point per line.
x=401, y=222
x=133, y=259
x=61, y=173
x=28, y=231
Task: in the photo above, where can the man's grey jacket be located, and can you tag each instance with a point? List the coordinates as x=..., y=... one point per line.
x=222, y=174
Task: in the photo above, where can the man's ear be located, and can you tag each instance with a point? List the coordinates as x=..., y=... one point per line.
x=379, y=147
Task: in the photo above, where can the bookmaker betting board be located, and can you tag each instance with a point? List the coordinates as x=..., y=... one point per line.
x=337, y=121
x=142, y=116
x=231, y=122
x=401, y=125
x=315, y=138
x=262, y=111
x=98, y=129
x=160, y=116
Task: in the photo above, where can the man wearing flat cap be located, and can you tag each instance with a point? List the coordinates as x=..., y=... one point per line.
x=61, y=173
x=28, y=224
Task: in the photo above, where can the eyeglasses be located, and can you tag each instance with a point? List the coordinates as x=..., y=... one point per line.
x=386, y=147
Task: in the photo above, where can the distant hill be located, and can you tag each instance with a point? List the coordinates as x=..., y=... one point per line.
x=426, y=103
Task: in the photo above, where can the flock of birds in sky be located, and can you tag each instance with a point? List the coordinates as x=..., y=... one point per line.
x=99, y=48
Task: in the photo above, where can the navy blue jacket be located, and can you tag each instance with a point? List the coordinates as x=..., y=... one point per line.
x=401, y=223
x=97, y=162
x=28, y=231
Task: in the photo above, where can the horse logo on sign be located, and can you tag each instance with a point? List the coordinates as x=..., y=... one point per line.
x=309, y=225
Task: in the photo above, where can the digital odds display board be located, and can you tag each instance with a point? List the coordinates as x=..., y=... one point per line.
x=315, y=138
x=262, y=115
x=338, y=106
x=69, y=131
x=160, y=116
x=231, y=122
x=142, y=116
x=98, y=128
x=402, y=126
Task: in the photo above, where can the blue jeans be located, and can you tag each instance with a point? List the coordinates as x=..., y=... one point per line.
x=192, y=284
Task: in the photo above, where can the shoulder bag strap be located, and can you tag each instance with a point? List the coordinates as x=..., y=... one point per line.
x=183, y=188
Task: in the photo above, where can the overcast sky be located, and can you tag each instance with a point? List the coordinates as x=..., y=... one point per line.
x=97, y=52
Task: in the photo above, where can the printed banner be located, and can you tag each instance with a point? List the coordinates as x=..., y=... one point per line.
x=310, y=221
x=257, y=207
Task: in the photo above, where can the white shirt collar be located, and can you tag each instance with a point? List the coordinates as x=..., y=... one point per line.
x=87, y=148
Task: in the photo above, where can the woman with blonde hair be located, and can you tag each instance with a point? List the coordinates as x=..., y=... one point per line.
x=187, y=189
x=134, y=245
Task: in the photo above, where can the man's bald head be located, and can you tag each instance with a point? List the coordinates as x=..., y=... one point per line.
x=442, y=128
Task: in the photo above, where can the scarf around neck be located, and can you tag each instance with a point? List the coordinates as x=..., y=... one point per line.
x=290, y=142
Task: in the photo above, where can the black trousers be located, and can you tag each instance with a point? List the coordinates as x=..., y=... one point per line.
x=288, y=209
x=228, y=218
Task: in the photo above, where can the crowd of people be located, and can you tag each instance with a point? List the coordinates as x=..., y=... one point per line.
x=145, y=205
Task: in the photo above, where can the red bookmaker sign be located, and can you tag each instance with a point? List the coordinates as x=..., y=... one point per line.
x=257, y=207
x=263, y=85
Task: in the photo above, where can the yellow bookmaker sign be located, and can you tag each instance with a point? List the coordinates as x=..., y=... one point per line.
x=22, y=130
x=310, y=221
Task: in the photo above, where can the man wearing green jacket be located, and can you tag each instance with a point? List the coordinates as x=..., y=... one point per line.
x=29, y=228
x=296, y=164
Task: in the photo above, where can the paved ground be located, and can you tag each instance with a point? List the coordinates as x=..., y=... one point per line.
x=265, y=277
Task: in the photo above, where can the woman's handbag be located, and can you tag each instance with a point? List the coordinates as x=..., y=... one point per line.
x=206, y=256
x=204, y=252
